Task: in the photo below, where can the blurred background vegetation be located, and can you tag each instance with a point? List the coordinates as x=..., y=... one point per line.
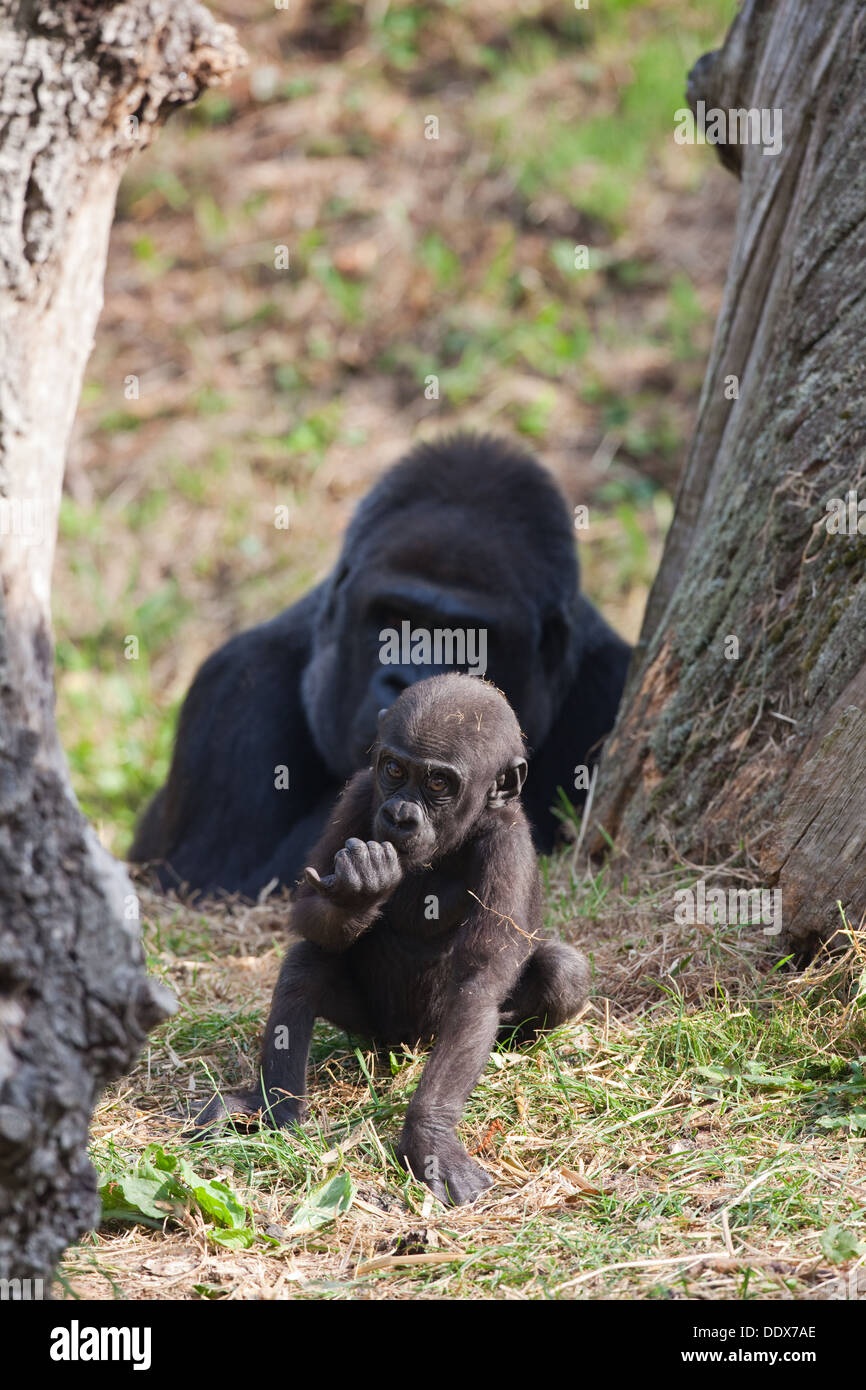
x=260, y=386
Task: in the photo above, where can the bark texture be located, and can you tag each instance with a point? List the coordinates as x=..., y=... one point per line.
x=766, y=750
x=75, y=1002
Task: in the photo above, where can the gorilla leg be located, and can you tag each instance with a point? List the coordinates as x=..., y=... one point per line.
x=552, y=988
x=312, y=984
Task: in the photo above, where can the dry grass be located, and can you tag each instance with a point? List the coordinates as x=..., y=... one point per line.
x=667, y=1144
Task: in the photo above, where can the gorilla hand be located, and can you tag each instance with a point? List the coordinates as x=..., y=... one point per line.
x=248, y=1110
x=364, y=873
x=434, y=1155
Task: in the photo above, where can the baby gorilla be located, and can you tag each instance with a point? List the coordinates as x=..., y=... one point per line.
x=421, y=919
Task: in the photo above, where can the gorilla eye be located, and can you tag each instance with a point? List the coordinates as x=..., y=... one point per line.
x=437, y=783
x=392, y=770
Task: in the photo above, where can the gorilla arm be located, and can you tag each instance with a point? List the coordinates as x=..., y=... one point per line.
x=349, y=878
x=331, y=910
x=585, y=717
x=220, y=822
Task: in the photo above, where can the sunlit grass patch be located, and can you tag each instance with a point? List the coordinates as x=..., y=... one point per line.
x=696, y=1133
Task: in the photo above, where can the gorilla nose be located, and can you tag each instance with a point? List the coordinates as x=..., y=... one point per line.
x=402, y=816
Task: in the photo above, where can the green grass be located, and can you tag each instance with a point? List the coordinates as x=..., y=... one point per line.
x=657, y=1148
x=595, y=161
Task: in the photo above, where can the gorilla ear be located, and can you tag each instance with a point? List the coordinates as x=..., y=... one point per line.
x=508, y=784
x=381, y=716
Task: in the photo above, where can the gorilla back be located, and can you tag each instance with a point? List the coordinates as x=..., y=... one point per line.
x=467, y=540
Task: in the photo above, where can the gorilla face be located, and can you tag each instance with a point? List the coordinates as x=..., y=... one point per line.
x=434, y=573
x=446, y=750
x=348, y=682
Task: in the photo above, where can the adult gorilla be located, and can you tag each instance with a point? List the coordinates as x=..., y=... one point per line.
x=468, y=532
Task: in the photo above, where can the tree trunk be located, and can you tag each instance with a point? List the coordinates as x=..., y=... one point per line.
x=760, y=742
x=75, y=1003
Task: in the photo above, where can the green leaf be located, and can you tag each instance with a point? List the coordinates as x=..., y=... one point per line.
x=855, y=1119
x=839, y=1244
x=127, y=1197
x=755, y=1077
x=218, y=1201
x=165, y=1184
x=158, y=1166
x=715, y=1074
x=234, y=1240
x=324, y=1204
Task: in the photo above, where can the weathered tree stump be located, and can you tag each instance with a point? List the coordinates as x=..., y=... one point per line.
x=744, y=716
x=82, y=86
